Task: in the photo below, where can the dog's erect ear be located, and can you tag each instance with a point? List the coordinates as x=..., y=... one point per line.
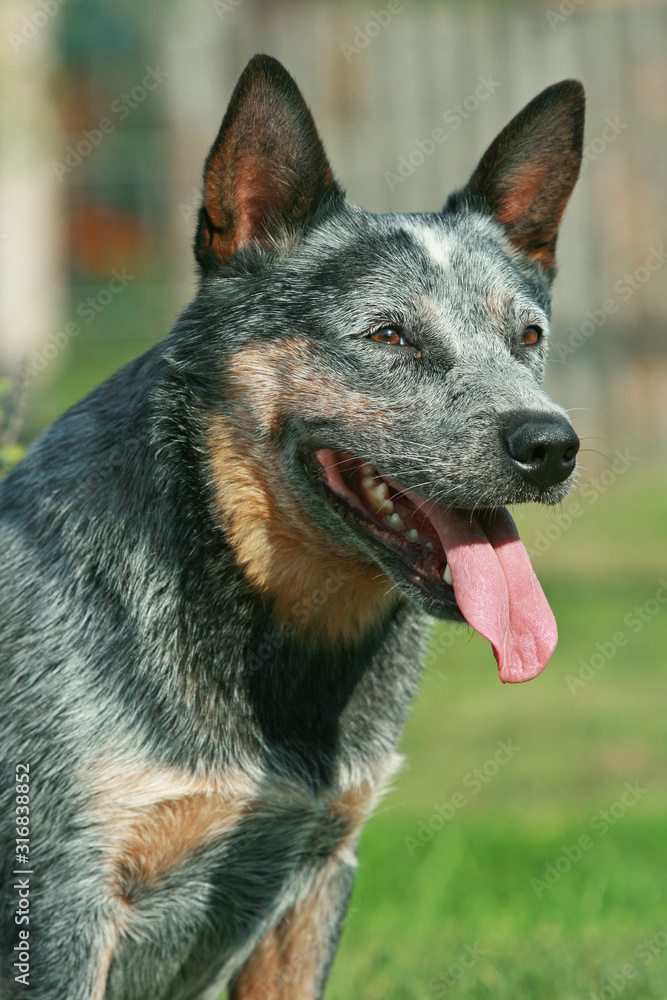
x=266, y=168
x=527, y=174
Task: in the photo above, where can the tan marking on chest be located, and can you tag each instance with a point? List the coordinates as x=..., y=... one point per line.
x=152, y=820
x=355, y=804
x=288, y=961
x=170, y=832
x=317, y=585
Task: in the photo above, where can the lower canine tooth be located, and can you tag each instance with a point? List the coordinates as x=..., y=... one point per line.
x=447, y=576
x=394, y=521
x=412, y=535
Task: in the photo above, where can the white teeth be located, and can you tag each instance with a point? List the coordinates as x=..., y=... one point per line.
x=447, y=575
x=394, y=521
x=429, y=545
x=412, y=535
x=368, y=470
x=368, y=483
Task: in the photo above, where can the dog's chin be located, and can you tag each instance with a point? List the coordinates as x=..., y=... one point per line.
x=388, y=525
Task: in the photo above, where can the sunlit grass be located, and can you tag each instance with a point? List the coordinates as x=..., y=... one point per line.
x=429, y=887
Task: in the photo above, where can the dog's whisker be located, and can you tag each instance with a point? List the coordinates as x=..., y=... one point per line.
x=594, y=451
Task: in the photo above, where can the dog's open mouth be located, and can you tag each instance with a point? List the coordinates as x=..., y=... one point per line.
x=388, y=514
x=473, y=563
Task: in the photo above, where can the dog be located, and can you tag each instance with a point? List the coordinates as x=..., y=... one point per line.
x=218, y=568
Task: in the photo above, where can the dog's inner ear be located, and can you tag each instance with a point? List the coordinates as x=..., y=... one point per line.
x=528, y=172
x=266, y=169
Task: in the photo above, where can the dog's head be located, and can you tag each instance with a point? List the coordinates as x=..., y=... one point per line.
x=380, y=375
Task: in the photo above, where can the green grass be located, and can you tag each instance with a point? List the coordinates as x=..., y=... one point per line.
x=470, y=887
x=420, y=903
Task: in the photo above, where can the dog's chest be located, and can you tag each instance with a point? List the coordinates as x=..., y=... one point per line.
x=219, y=858
x=166, y=829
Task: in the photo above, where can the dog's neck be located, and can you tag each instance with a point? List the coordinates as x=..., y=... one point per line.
x=319, y=590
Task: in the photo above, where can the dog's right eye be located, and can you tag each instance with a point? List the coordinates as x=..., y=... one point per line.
x=531, y=335
x=389, y=335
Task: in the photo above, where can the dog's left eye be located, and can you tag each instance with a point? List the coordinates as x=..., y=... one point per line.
x=389, y=335
x=531, y=335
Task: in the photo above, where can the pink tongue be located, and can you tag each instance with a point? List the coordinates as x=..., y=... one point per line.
x=496, y=589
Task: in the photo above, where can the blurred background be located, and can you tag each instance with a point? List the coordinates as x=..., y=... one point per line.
x=469, y=886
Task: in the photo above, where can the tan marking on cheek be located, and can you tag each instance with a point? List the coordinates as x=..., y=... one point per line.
x=283, y=377
x=318, y=586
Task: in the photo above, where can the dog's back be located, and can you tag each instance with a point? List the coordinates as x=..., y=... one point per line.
x=215, y=568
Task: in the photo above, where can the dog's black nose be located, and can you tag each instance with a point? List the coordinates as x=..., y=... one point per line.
x=542, y=449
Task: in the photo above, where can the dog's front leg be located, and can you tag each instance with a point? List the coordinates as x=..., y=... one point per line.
x=293, y=959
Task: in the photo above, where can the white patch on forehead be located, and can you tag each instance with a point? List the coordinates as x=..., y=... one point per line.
x=438, y=244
